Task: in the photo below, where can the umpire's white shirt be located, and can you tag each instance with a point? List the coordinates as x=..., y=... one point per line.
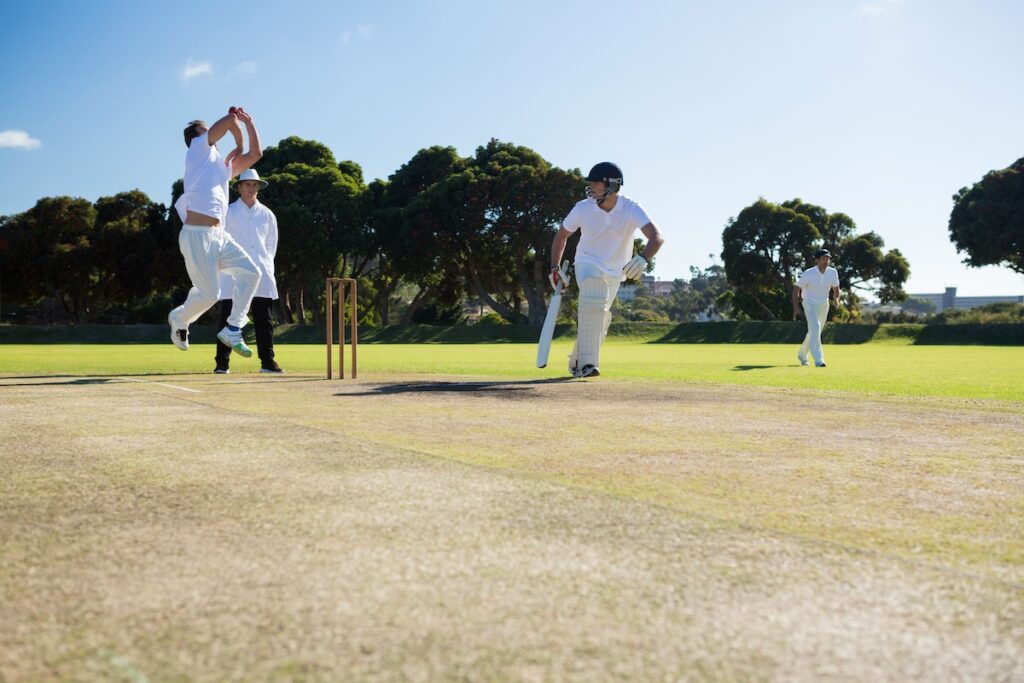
x=816, y=284
x=606, y=237
x=255, y=230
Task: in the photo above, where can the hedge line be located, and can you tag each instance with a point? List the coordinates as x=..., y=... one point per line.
x=729, y=332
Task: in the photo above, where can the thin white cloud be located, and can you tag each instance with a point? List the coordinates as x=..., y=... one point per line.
x=243, y=69
x=361, y=31
x=194, y=69
x=18, y=139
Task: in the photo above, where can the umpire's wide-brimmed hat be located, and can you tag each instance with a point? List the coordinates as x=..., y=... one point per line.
x=251, y=174
x=817, y=254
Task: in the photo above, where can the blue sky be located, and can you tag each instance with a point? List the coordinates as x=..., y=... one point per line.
x=881, y=109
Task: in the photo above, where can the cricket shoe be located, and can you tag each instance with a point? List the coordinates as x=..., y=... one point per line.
x=272, y=367
x=233, y=338
x=588, y=371
x=803, y=361
x=819, y=365
x=179, y=335
x=221, y=371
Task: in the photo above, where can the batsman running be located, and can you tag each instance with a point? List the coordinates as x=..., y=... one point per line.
x=607, y=222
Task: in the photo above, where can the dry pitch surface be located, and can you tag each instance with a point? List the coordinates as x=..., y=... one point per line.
x=423, y=528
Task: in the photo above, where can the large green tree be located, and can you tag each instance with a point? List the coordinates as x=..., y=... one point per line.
x=767, y=245
x=47, y=256
x=987, y=222
x=480, y=225
x=136, y=255
x=494, y=221
x=403, y=234
x=859, y=258
x=762, y=250
x=525, y=199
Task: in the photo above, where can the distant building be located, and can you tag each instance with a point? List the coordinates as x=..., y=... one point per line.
x=664, y=287
x=647, y=282
x=949, y=299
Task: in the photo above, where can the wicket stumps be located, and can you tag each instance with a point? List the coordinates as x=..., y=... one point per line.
x=341, y=282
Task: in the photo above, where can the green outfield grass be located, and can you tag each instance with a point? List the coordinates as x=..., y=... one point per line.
x=960, y=372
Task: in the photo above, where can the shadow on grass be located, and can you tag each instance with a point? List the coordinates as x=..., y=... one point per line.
x=68, y=382
x=509, y=389
x=756, y=367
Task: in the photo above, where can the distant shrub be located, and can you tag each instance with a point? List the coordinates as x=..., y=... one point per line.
x=879, y=317
x=492, y=318
x=1004, y=312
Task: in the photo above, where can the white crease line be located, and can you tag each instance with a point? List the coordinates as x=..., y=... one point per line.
x=162, y=384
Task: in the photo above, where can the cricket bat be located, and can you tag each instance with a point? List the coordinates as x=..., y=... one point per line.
x=548, y=331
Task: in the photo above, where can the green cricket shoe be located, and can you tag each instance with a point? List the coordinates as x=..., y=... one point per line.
x=233, y=338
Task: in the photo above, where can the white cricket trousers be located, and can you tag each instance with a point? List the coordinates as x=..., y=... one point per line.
x=594, y=313
x=816, y=314
x=207, y=252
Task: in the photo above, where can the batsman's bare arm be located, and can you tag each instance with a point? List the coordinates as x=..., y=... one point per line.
x=242, y=162
x=797, y=301
x=654, y=240
x=558, y=246
x=223, y=126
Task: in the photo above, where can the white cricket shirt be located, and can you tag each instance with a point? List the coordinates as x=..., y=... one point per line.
x=816, y=284
x=206, y=181
x=606, y=237
x=255, y=230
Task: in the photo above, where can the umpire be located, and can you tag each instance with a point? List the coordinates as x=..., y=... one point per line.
x=254, y=227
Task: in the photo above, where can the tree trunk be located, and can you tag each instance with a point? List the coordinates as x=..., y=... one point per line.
x=767, y=311
x=415, y=304
x=506, y=312
x=385, y=289
x=67, y=308
x=533, y=288
x=285, y=304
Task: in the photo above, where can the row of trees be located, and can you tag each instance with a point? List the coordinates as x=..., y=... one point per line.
x=701, y=298
x=768, y=245
x=441, y=229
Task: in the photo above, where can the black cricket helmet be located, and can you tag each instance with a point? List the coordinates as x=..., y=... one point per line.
x=608, y=173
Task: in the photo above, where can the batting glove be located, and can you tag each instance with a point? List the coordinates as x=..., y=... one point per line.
x=559, y=277
x=635, y=268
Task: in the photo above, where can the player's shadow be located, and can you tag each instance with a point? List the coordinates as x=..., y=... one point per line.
x=74, y=381
x=507, y=389
x=740, y=368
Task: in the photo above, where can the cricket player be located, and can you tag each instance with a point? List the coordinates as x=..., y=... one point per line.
x=254, y=227
x=607, y=222
x=814, y=291
x=206, y=246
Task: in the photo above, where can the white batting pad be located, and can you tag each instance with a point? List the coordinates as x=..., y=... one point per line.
x=594, y=305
